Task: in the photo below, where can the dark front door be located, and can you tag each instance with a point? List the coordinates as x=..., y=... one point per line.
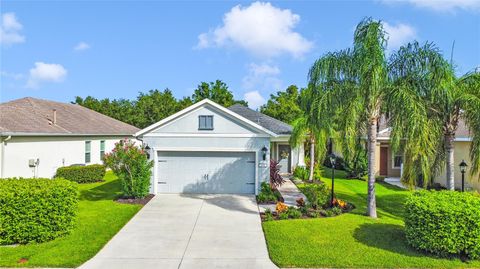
x=383, y=161
x=284, y=158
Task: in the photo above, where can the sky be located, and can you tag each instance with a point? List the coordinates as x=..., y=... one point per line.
x=116, y=49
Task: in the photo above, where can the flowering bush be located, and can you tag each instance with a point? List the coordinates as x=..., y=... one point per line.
x=340, y=203
x=276, y=179
x=281, y=207
x=130, y=163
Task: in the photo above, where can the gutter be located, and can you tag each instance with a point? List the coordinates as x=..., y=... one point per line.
x=59, y=134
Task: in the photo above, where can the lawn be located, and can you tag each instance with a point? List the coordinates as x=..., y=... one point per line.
x=352, y=239
x=99, y=219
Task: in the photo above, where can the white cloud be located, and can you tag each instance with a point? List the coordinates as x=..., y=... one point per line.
x=254, y=99
x=442, y=5
x=262, y=77
x=43, y=72
x=81, y=46
x=399, y=34
x=15, y=76
x=10, y=30
x=260, y=29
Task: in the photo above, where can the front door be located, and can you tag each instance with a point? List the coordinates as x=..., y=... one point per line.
x=284, y=158
x=383, y=161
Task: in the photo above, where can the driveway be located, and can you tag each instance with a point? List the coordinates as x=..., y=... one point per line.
x=189, y=231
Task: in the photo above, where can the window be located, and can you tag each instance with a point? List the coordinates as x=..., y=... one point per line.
x=88, y=148
x=205, y=122
x=397, y=161
x=102, y=149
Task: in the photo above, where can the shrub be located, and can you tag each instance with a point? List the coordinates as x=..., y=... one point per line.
x=301, y=173
x=281, y=207
x=36, y=209
x=357, y=167
x=300, y=202
x=266, y=194
x=82, y=174
x=283, y=216
x=294, y=213
x=268, y=215
x=317, y=194
x=131, y=165
x=339, y=163
x=275, y=178
x=444, y=223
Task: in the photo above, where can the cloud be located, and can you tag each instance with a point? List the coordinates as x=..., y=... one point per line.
x=254, y=99
x=399, y=34
x=261, y=29
x=43, y=72
x=15, y=76
x=10, y=30
x=262, y=77
x=442, y=5
x=81, y=46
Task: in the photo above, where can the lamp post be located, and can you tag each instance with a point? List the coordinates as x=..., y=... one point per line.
x=463, y=168
x=332, y=162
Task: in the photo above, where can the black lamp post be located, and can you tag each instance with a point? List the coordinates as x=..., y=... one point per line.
x=463, y=168
x=264, y=152
x=332, y=161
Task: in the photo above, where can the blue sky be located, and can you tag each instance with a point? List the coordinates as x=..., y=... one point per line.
x=58, y=50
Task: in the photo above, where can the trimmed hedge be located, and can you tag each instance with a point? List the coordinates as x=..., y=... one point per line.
x=36, y=209
x=444, y=223
x=82, y=174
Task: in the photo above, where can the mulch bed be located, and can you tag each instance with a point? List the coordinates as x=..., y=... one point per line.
x=136, y=201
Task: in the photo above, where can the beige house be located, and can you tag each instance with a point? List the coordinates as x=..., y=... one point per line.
x=389, y=164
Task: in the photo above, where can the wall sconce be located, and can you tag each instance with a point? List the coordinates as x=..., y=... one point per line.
x=264, y=152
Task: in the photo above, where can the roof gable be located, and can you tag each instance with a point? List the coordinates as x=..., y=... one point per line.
x=237, y=119
x=276, y=126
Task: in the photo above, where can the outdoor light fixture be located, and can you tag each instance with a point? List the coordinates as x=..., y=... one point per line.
x=147, y=149
x=463, y=168
x=333, y=159
x=264, y=152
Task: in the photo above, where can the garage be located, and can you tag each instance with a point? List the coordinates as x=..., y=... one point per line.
x=205, y=172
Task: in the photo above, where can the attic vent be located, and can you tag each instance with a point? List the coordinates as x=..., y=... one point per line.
x=53, y=120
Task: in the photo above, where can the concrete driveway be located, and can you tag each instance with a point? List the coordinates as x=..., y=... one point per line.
x=189, y=231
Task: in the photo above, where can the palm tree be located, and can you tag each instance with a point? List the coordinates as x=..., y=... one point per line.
x=305, y=127
x=426, y=105
x=350, y=84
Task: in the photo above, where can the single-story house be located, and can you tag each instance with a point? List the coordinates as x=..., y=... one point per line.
x=389, y=164
x=38, y=136
x=207, y=148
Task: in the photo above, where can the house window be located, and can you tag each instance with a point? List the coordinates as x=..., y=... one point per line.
x=397, y=161
x=102, y=149
x=205, y=122
x=88, y=148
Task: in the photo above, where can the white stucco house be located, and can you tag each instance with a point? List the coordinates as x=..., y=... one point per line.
x=38, y=136
x=207, y=148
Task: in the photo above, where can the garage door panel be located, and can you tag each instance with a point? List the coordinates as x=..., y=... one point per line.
x=206, y=172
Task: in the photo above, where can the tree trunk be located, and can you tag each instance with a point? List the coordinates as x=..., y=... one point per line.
x=372, y=143
x=449, y=150
x=312, y=158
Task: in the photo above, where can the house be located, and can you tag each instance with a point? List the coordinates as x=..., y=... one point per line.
x=38, y=136
x=389, y=164
x=207, y=148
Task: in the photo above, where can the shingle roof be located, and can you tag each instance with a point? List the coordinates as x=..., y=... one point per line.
x=263, y=120
x=35, y=116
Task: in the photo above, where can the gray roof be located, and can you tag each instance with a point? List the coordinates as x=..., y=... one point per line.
x=31, y=116
x=267, y=122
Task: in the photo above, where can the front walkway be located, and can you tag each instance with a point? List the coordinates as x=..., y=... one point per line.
x=395, y=181
x=189, y=231
x=290, y=193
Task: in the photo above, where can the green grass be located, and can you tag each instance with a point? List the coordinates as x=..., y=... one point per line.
x=99, y=219
x=352, y=239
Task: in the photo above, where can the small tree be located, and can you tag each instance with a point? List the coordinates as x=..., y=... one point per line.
x=130, y=163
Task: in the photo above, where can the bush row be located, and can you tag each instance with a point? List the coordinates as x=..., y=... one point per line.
x=36, y=209
x=444, y=223
x=82, y=174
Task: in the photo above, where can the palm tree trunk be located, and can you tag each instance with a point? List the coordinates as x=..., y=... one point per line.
x=449, y=150
x=312, y=158
x=372, y=144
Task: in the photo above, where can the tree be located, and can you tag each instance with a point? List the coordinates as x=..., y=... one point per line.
x=216, y=91
x=154, y=106
x=353, y=82
x=427, y=104
x=305, y=126
x=284, y=105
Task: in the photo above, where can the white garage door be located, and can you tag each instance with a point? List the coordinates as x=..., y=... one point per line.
x=206, y=172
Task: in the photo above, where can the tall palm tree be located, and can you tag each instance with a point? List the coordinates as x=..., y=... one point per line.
x=426, y=105
x=306, y=127
x=351, y=84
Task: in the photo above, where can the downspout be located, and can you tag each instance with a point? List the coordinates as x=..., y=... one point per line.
x=2, y=166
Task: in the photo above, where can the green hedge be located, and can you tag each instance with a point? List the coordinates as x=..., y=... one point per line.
x=36, y=210
x=444, y=223
x=82, y=174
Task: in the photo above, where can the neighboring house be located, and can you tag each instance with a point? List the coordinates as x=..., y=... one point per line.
x=38, y=136
x=389, y=164
x=207, y=148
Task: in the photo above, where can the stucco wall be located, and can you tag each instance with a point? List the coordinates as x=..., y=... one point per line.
x=52, y=152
